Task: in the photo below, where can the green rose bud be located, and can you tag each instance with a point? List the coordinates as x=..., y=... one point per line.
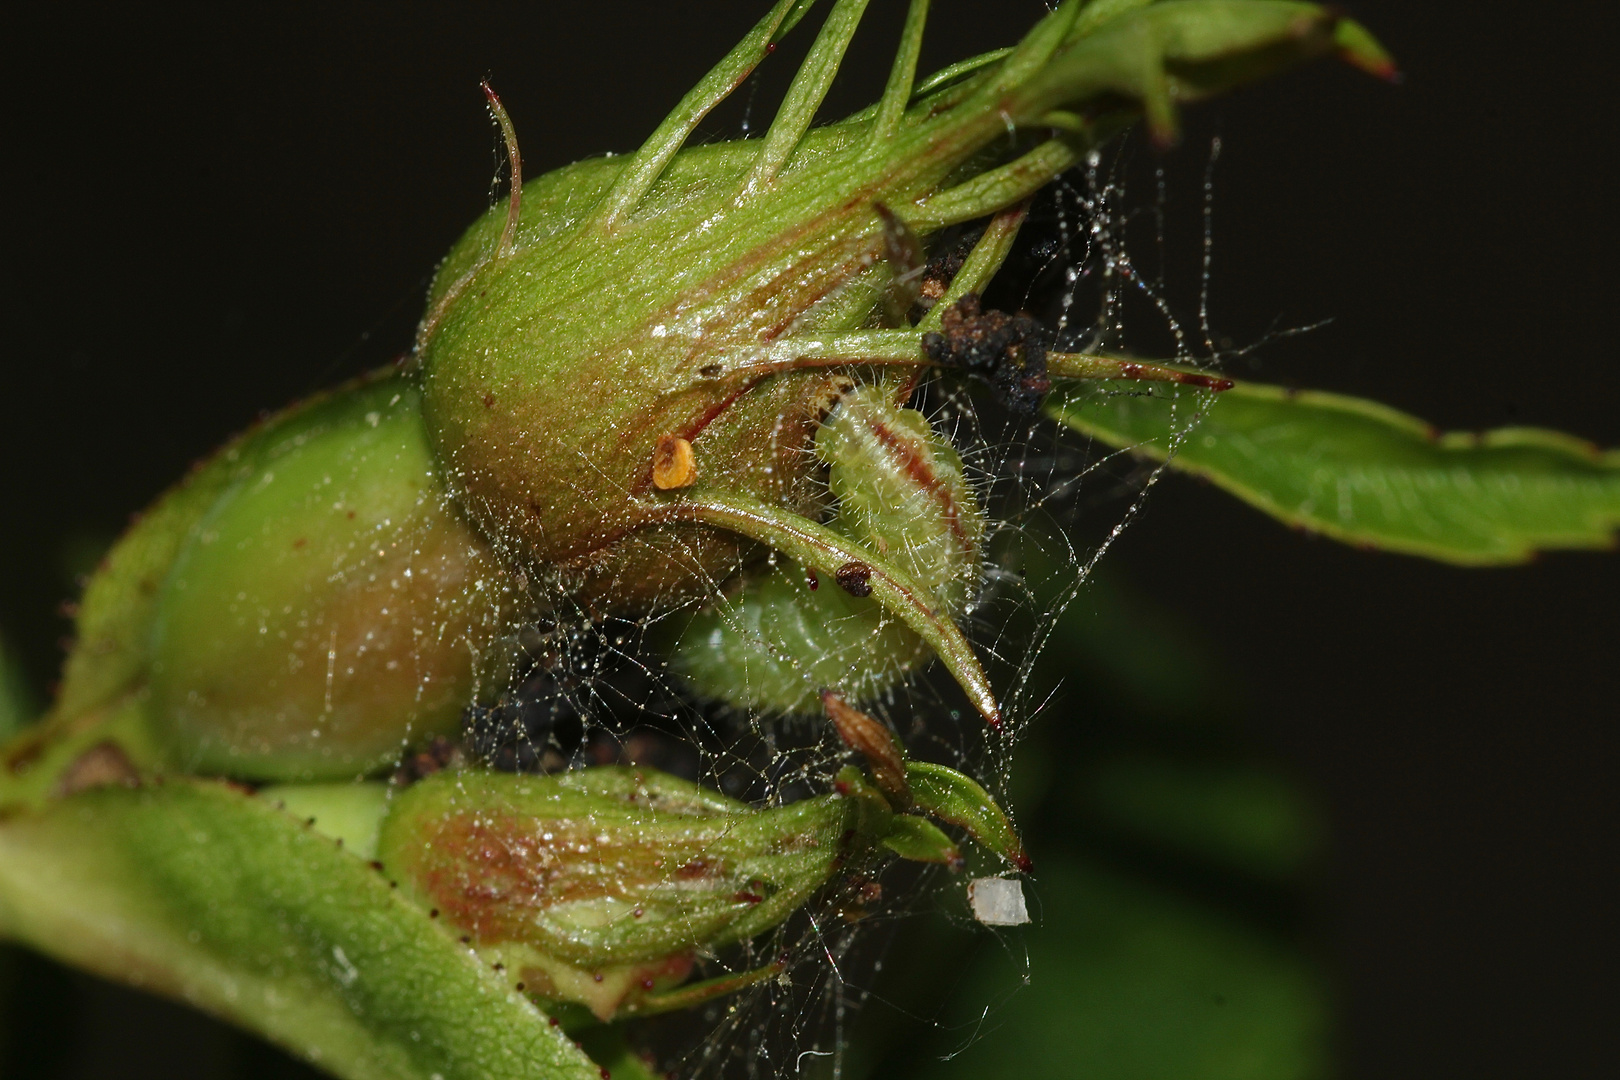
x=632, y=380
x=303, y=604
x=603, y=886
x=721, y=300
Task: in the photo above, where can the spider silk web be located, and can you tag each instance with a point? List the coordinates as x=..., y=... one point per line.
x=1093, y=265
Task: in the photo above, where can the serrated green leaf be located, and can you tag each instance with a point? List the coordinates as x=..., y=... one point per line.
x=201, y=892
x=1366, y=474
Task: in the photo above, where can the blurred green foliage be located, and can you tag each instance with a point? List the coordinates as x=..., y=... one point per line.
x=1130, y=980
x=16, y=702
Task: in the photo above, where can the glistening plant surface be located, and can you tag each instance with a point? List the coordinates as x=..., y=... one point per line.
x=363, y=419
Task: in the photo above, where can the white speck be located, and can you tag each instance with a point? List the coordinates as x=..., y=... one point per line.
x=373, y=418
x=998, y=901
x=799, y=1065
x=346, y=973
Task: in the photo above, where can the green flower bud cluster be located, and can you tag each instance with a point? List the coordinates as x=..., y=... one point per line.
x=675, y=379
x=635, y=380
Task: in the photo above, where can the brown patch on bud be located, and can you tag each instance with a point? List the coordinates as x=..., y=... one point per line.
x=493, y=874
x=673, y=464
x=25, y=752
x=103, y=765
x=854, y=578
x=698, y=869
x=876, y=743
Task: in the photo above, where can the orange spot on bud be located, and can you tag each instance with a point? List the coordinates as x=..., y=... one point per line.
x=673, y=463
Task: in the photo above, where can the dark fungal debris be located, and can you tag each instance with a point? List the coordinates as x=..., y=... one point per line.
x=941, y=269
x=439, y=754
x=854, y=578
x=1006, y=352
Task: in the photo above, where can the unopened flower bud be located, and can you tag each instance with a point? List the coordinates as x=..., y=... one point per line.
x=591, y=882
x=602, y=886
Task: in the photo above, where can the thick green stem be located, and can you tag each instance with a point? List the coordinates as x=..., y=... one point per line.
x=197, y=891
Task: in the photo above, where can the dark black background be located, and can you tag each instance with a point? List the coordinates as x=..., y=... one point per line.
x=212, y=210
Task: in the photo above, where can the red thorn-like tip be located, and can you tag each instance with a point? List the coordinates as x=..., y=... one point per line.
x=1360, y=49
x=1377, y=68
x=1024, y=863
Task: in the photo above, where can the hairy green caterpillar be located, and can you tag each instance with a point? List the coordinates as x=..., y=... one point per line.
x=900, y=490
